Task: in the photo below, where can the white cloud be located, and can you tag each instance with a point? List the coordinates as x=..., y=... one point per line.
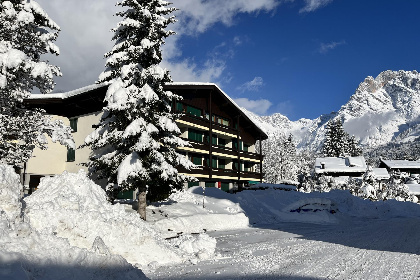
x=188, y=71
x=84, y=39
x=86, y=36
x=253, y=85
x=259, y=107
x=197, y=16
x=326, y=47
x=312, y=5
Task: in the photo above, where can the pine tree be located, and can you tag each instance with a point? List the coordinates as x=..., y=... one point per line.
x=338, y=143
x=137, y=135
x=280, y=159
x=26, y=33
x=353, y=149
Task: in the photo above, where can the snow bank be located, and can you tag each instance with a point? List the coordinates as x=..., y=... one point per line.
x=26, y=253
x=73, y=207
x=184, y=212
x=273, y=206
x=10, y=194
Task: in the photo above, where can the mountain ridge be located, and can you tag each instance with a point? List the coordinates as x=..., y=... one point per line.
x=382, y=110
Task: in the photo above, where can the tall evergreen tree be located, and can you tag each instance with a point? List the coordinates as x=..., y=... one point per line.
x=137, y=135
x=353, y=149
x=280, y=161
x=338, y=143
x=26, y=32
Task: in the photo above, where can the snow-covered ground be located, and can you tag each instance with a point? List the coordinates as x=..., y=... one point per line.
x=312, y=236
x=67, y=230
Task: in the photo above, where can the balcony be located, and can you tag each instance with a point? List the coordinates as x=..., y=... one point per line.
x=228, y=152
x=222, y=174
x=202, y=121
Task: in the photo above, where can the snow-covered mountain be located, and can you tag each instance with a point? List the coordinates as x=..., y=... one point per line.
x=384, y=109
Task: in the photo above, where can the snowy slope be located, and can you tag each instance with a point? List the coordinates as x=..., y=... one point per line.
x=382, y=110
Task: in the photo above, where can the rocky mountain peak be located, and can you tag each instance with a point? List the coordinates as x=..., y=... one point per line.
x=382, y=110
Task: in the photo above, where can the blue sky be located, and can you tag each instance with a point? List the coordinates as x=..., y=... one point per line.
x=301, y=58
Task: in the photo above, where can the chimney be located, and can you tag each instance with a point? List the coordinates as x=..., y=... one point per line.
x=322, y=165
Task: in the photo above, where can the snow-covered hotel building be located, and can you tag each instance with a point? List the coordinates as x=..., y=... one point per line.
x=223, y=138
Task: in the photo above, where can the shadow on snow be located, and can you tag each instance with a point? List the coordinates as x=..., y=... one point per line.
x=393, y=234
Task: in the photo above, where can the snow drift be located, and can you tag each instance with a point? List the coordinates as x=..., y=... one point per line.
x=73, y=207
x=186, y=213
x=26, y=253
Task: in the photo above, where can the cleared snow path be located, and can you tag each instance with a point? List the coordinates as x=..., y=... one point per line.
x=354, y=248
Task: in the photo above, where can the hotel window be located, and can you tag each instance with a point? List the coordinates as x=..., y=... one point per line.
x=193, y=184
x=235, y=144
x=225, y=122
x=194, y=111
x=195, y=135
x=236, y=166
x=222, y=142
x=214, y=139
x=222, y=163
x=209, y=184
x=73, y=124
x=248, y=166
x=196, y=159
x=71, y=155
x=220, y=120
x=213, y=161
x=180, y=107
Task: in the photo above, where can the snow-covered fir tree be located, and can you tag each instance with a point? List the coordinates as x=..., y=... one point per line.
x=137, y=135
x=338, y=142
x=305, y=161
x=280, y=162
x=26, y=32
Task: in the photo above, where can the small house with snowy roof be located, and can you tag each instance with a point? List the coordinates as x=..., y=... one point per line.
x=409, y=166
x=223, y=138
x=340, y=166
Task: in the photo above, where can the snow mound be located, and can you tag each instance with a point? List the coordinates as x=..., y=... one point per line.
x=73, y=207
x=185, y=212
x=26, y=253
x=10, y=194
x=203, y=222
x=200, y=245
x=68, y=192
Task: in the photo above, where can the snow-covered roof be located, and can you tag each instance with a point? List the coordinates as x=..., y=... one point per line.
x=414, y=188
x=401, y=164
x=86, y=89
x=64, y=95
x=340, y=165
x=381, y=173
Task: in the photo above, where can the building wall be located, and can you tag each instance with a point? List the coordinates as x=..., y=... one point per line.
x=228, y=176
x=54, y=160
x=47, y=162
x=199, y=121
x=84, y=128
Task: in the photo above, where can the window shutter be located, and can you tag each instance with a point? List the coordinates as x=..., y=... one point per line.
x=71, y=155
x=73, y=124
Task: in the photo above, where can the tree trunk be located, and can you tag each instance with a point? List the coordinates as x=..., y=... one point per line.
x=142, y=202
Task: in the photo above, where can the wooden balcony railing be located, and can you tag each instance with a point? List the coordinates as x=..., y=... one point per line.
x=222, y=149
x=218, y=172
